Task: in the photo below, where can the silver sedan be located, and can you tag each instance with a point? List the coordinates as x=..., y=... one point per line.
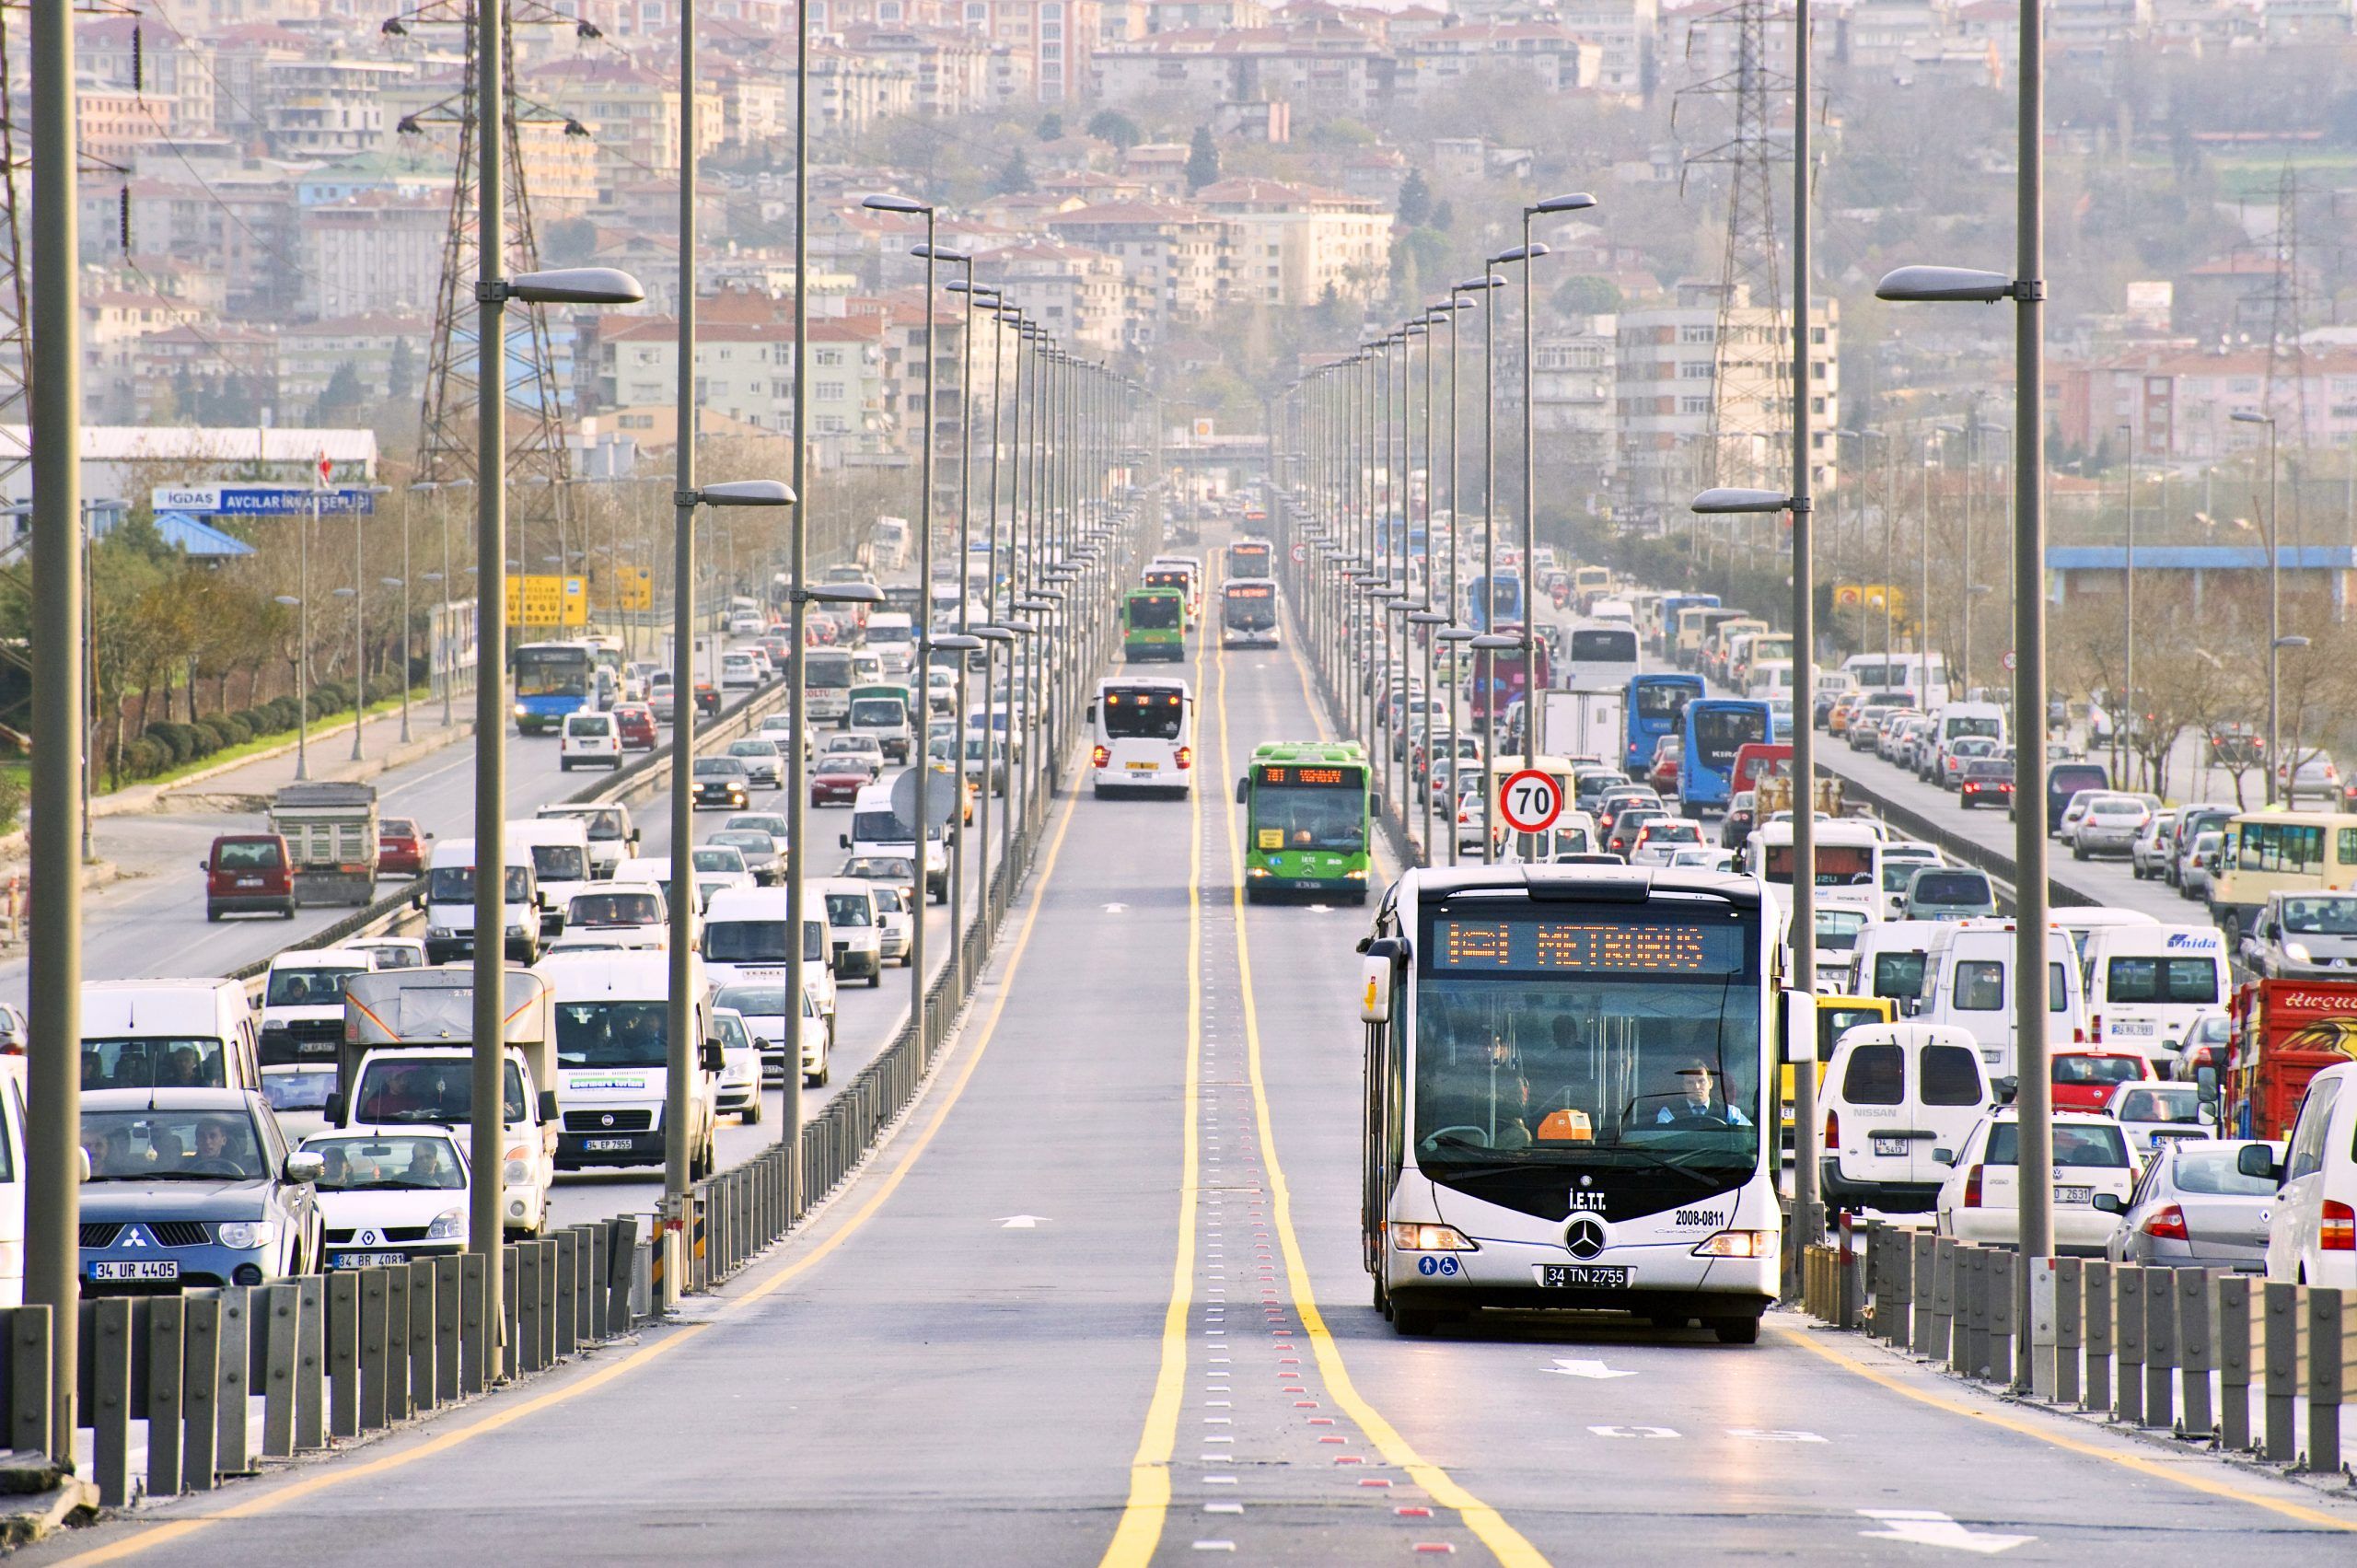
x=2193, y=1209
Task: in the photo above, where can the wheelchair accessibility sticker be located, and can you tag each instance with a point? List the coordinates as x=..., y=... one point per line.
x=1436, y=1265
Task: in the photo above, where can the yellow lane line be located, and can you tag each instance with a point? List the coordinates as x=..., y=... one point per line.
x=2175, y=1471
x=1506, y=1543
x=1138, y=1534
x=331, y=1477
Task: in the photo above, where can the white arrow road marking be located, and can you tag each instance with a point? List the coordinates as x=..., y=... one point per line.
x=1321, y=909
x=1773, y=1434
x=1022, y=1222
x=1926, y=1527
x=1115, y=909
x=1566, y=1367
x=1634, y=1431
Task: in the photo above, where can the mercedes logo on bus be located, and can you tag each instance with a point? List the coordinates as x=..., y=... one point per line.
x=1584, y=1237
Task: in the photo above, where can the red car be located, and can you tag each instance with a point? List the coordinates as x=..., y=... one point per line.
x=1662, y=774
x=248, y=874
x=636, y=721
x=400, y=847
x=836, y=780
x=2083, y=1079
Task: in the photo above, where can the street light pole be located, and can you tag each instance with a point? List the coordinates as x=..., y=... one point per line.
x=1530, y=476
x=2274, y=617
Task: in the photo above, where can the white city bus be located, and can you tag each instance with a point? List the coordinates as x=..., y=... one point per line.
x=1144, y=735
x=1570, y=1097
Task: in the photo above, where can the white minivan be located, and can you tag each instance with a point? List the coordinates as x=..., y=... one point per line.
x=877, y=828
x=1968, y=982
x=2312, y=1233
x=612, y=835
x=613, y=1016
x=448, y=902
x=588, y=741
x=855, y=928
x=561, y=866
x=302, y=1003
x=2148, y=985
x=140, y=1034
x=744, y=939
x=1893, y=1093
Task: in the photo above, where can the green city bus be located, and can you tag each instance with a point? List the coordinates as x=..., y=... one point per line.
x=1306, y=822
x=1154, y=624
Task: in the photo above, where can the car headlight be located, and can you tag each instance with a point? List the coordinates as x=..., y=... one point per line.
x=515, y=931
x=245, y=1235
x=515, y=1173
x=2298, y=952
x=450, y=1225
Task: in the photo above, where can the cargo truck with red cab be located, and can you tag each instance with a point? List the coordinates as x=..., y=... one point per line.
x=2284, y=1033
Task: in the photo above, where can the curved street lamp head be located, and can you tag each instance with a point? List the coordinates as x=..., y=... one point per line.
x=2244, y=416
x=740, y=492
x=941, y=254
x=1456, y=635
x=1492, y=642
x=884, y=201
x=1478, y=286
x=1724, y=500
x=1427, y=618
x=838, y=593
x=954, y=642
x=2292, y=642
x=1573, y=203
x=1970, y=286
x=1519, y=253
x=574, y=286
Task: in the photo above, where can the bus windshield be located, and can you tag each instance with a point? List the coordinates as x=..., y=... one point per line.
x=1155, y=612
x=1250, y=607
x=552, y=672
x=1324, y=816
x=1134, y=714
x=1613, y=1037
x=826, y=669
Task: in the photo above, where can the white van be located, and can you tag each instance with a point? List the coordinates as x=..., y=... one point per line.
x=2148, y=985
x=1769, y=680
x=892, y=635
x=613, y=1013
x=1890, y=961
x=612, y=834
x=744, y=939
x=139, y=1034
x=560, y=850
x=2083, y=921
x=12, y=1181
x=1957, y=720
x=2312, y=1235
x=1892, y=1093
x=1968, y=976
x=628, y=914
x=877, y=828
x=588, y=741
x=448, y=902
x=855, y=928
x=302, y=1003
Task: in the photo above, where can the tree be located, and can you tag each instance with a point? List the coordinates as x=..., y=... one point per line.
x=1444, y=217
x=1587, y=295
x=569, y=241
x=1203, y=160
x=1110, y=125
x=1415, y=199
x=400, y=372
x=341, y=400
x=1052, y=127
x=1014, y=176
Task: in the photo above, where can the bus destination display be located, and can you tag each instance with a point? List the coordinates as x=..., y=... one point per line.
x=1251, y=590
x=1310, y=778
x=1468, y=946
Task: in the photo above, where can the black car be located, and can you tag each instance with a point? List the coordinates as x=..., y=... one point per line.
x=2064, y=780
x=191, y=1187
x=722, y=781
x=1743, y=811
x=1987, y=780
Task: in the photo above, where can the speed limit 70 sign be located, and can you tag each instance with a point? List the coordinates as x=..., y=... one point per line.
x=1530, y=800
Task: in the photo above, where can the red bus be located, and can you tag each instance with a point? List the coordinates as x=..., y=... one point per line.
x=1500, y=680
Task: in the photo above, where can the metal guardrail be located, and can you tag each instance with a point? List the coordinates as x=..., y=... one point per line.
x=2205, y=1354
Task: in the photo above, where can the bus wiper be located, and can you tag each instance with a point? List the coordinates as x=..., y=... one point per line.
x=1668, y=1162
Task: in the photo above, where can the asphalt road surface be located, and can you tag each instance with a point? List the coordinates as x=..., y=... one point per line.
x=1100, y=1299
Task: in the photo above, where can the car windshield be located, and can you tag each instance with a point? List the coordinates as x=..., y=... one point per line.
x=2077, y=1143
x=604, y=826
x=440, y=1090
x=720, y=857
x=1308, y=817
x=719, y=768
x=1840, y=929
x=880, y=869
x=456, y=884
x=2208, y=1171
x=172, y=1146
x=746, y=841
x=2179, y=1106
x=595, y=910
x=2320, y=917
x=405, y=1162
x=754, y=749
x=848, y=909
x=156, y=1061
x=1949, y=887
x=1591, y=1067
x=879, y=712
x=746, y=942
x=753, y=1001
x=560, y=863
x=611, y=1034
x=308, y=985
x=298, y=1091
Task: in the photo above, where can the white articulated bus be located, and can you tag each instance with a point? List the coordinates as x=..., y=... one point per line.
x=1570, y=1094
x=1144, y=735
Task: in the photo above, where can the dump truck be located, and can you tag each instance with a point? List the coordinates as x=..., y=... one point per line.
x=330, y=833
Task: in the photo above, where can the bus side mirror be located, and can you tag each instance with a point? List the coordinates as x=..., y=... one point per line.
x=1243, y=789
x=1374, y=975
x=1797, y=1015
x=1092, y=713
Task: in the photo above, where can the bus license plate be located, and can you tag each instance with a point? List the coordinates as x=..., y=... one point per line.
x=1566, y=1276
x=606, y=1145
x=1890, y=1145
x=366, y=1260
x=2074, y=1195
x=1140, y=767
x=166, y=1268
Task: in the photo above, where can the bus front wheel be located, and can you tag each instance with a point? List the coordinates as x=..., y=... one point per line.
x=1414, y=1323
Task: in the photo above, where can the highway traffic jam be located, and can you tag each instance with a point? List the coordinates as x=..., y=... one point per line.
x=1548, y=870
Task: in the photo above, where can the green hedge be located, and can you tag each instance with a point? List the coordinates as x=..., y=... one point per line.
x=166, y=744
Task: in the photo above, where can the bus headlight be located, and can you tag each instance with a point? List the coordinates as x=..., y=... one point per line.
x=1358, y=874
x=1255, y=871
x=1736, y=1244
x=522, y=711
x=1409, y=1237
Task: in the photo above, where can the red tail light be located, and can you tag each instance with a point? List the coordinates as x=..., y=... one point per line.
x=1832, y=1130
x=2337, y=1227
x=2078, y=1036
x=1099, y=756
x=2168, y=1224
x=1186, y=757
x=2094, y=1025
x=1973, y=1188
